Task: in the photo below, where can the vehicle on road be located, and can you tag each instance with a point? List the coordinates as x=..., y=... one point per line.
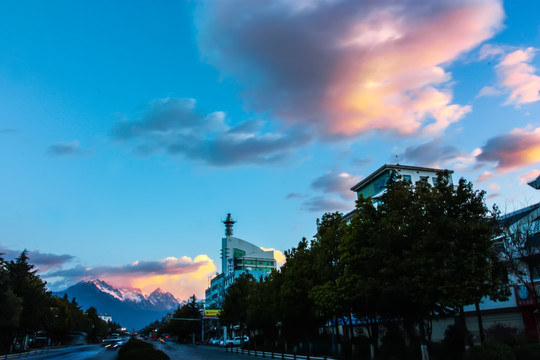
x=237, y=341
x=113, y=343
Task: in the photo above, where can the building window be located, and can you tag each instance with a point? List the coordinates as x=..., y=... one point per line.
x=407, y=178
x=424, y=178
x=434, y=179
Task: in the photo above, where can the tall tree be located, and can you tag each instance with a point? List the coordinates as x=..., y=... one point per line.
x=10, y=305
x=29, y=287
x=519, y=245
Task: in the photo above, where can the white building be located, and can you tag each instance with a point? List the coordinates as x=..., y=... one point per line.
x=374, y=185
x=237, y=257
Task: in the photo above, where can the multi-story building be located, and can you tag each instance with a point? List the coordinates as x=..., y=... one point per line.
x=237, y=257
x=374, y=184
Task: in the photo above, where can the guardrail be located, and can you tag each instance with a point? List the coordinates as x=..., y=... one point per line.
x=274, y=355
x=24, y=354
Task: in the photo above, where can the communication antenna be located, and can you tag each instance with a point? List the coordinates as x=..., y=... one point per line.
x=229, y=222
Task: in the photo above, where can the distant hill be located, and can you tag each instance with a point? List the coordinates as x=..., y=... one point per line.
x=128, y=307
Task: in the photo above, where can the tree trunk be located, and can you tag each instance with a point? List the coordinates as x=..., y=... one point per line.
x=480, y=323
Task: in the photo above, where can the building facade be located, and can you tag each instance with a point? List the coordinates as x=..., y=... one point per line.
x=374, y=185
x=237, y=257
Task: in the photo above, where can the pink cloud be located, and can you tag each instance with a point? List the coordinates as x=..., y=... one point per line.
x=516, y=77
x=512, y=151
x=530, y=176
x=346, y=67
x=486, y=175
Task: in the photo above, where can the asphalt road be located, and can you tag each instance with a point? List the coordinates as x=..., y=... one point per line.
x=175, y=352
x=84, y=352
x=196, y=352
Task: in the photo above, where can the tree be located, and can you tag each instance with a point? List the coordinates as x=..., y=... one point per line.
x=29, y=287
x=10, y=304
x=180, y=325
x=300, y=319
x=97, y=327
x=236, y=303
x=422, y=251
x=520, y=248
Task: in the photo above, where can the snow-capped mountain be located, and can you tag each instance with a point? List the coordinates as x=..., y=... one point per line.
x=128, y=306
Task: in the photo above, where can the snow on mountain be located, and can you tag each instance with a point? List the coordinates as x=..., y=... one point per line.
x=128, y=306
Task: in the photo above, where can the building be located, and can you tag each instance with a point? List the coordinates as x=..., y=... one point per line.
x=237, y=257
x=105, y=317
x=518, y=310
x=374, y=184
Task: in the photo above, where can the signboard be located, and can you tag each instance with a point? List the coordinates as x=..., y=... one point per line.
x=524, y=296
x=211, y=313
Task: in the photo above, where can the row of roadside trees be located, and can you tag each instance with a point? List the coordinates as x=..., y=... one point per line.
x=31, y=316
x=421, y=252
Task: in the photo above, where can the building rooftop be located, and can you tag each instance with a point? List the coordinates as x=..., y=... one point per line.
x=386, y=167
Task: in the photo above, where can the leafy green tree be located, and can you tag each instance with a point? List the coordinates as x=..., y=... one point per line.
x=236, y=301
x=263, y=311
x=419, y=252
x=29, y=287
x=300, y=319
x=182, y=327
x=97, y=327
x=10, y=304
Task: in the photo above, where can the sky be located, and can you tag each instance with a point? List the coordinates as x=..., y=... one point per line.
x=129, y=129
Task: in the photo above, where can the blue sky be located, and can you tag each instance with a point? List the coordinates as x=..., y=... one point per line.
x=128, y=130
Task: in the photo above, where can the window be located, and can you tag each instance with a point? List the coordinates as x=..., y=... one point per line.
x=407, y=178
x=424, y=178
x=434, y=179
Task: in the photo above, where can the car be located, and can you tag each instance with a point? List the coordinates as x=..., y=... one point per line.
x=214, y=341
x=236, y=341
x=113, y=343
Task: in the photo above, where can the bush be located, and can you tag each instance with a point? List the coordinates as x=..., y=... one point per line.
x=140, y=350
x=527, y=352
x=491, y=351
x=502, y=333
x=455, y=339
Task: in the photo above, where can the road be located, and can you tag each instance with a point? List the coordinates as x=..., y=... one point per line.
x=203, y=352
x=83, y=352
x=175, y=352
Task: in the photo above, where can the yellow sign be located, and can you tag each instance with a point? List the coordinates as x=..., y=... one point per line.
x=211, y=313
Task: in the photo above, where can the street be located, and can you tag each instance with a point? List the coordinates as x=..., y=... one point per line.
x=196, y=352
x=175, y=352
x=84, y=352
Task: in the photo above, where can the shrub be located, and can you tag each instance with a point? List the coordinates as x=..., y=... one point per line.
x=140, y=350
x=455, y=339
x=527, y=352
x=491, y=351
x=502, y=333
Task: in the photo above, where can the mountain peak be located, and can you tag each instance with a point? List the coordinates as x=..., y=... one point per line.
x=129, y=306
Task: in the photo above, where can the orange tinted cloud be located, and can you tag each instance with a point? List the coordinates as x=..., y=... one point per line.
x=181, y=285
x=348, y=66
x=182, y=277
x=278, y=256
x=512, y=151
